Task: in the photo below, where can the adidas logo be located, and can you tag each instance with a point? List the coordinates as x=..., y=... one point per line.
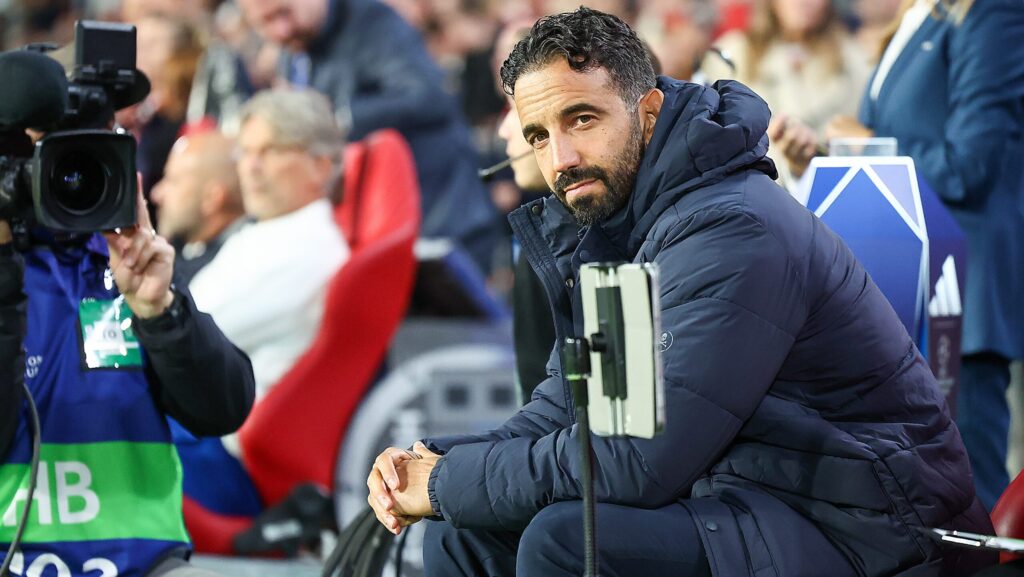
x=946, y=300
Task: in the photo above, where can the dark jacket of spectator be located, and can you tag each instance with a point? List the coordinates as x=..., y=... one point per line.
x=374, y=67
x=796, y=403
x=954, y=100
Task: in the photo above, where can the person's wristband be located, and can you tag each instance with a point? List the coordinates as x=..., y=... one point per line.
x=172, y=317
x=435, y=505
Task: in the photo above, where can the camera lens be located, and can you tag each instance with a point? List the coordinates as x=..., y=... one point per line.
x=78, y=181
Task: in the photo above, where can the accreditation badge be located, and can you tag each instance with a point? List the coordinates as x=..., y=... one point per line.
x=108, y=339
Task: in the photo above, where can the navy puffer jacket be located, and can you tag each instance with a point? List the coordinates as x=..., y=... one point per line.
x=793, y=392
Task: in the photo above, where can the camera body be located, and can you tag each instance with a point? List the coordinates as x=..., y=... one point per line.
x=80, y=177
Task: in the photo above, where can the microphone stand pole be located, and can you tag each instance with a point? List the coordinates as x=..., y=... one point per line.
x=576, y=364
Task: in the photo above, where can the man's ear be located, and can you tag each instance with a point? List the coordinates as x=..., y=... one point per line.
x=649, y=109
x=324, y=165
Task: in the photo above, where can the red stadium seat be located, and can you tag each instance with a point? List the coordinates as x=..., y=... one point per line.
x=293, y=434
x=211, y=532
x=1008, y=515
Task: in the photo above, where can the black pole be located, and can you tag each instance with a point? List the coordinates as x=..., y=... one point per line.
x=576, y=365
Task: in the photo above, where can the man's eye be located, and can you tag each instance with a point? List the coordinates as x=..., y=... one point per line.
x=538, y=140
x=584, y=119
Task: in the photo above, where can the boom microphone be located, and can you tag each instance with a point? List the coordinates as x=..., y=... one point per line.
x=486, y=174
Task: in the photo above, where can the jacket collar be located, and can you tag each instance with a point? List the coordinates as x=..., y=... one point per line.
x=702, y=135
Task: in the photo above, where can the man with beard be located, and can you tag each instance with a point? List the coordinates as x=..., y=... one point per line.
x=804, y=433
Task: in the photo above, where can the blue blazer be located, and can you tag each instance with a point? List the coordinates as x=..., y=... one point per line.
x=954, y=100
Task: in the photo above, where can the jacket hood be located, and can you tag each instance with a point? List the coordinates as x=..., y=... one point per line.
x=703, y=134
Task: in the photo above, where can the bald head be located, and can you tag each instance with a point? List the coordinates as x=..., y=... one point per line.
x=199, y=195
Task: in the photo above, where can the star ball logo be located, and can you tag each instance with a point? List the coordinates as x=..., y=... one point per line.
x=666, y=341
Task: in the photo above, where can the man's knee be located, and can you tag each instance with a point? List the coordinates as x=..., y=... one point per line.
x=553, y=538
x=437, y=544
x=451, y=551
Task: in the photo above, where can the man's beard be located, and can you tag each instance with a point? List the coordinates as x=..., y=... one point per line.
x=592, y=209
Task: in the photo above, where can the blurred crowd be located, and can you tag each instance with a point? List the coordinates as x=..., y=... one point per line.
x=205, y=58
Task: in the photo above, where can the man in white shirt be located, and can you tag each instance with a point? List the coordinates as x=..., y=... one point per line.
x=266, y=286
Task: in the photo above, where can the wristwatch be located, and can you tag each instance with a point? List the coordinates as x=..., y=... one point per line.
x=172, y=317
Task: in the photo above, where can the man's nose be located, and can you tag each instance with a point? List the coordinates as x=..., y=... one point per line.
x=157, y=194
x=563, y=154
x=505, y=128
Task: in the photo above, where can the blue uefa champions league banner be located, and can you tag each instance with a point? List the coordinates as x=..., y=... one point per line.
x=908, y=242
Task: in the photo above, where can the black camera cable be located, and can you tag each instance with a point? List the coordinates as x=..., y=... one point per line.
x=33, y=475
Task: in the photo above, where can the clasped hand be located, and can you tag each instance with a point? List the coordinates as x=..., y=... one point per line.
x=398, y=486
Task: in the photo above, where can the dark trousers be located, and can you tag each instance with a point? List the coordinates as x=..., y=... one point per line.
x=631, y=542
x=983, y=417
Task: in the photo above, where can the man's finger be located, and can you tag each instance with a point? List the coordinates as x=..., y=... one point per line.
x=382, y=513
x=386, y=464
x=377, y=512
x=422, y=451
x=376, y=483
x=387, y=470
x=144, y=257
x=141, y=210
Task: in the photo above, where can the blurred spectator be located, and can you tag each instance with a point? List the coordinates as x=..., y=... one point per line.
x=43, y=21
x=265, y=288
x=374, y=67
x=625, y=10
x=950, y=89
x=199, y=201
x=800, y=58
x=193, y=11
x=508, y=12
x=258, y=56
x=533, y=329
x=875, y=19
x=462, y=43
x=507, y=189
x=735, y=15
x=220, y=83
x=169, y=50
x=679, y=33
x=416, y=12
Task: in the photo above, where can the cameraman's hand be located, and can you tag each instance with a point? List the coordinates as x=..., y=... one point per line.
x=5, y=232
x=142, y=263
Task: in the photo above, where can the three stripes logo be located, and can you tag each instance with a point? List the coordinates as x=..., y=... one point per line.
x=946, y=300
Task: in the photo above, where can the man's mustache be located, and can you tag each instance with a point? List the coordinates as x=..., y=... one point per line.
x=577, y=175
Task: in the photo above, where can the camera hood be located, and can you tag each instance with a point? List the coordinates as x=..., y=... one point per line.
x=35, y=90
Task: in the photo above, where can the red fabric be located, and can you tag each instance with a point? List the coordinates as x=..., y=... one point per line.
x=202, y=126
x=211, y=532
x=294, y=433
x=734, y=16
x=1008, y=515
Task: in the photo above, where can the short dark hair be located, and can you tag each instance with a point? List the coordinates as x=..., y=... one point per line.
x=587, y=39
